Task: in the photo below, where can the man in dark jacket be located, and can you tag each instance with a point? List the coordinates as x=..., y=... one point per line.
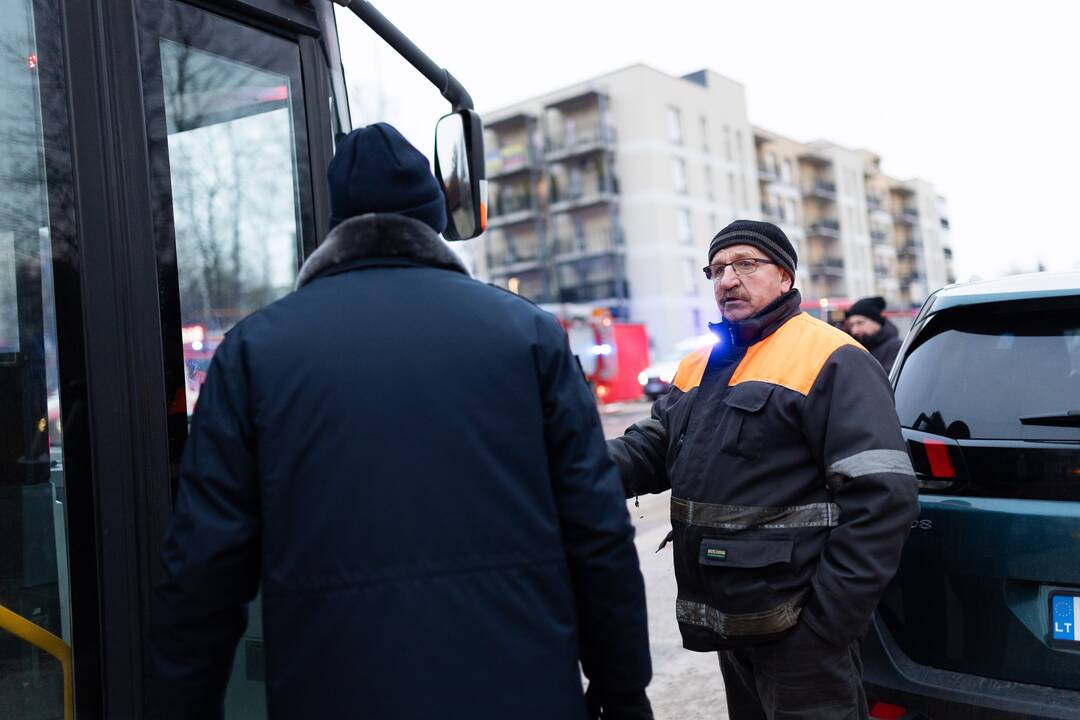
x=865, y=321
x=411, y=466
x=791, y=490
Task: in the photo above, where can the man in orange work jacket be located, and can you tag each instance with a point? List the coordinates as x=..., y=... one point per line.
x=791, y=489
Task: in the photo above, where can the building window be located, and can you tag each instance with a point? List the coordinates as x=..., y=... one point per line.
x=684, y=228
x=731, y=190
x=790, y=205
x=695, y=321
x=690, y=271
x=785, y=172
x=674, y=126
x=714, y=224
x=704, y=135
x=678, y=171
x=742, y=191
x=727, y=143
x=709, y=183
x=738, y=146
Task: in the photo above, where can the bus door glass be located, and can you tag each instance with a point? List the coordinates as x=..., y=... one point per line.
x=231, y=172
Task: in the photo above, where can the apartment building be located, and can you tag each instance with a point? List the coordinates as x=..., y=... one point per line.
x=606, y=194
x=866, y=233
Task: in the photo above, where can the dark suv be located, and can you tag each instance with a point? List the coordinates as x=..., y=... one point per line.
x=982, y=618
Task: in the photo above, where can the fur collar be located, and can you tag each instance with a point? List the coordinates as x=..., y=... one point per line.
x=379, y=236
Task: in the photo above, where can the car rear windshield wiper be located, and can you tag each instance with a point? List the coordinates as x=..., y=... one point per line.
x=1069, y=418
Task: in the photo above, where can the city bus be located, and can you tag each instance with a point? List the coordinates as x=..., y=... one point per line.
x=162, y=175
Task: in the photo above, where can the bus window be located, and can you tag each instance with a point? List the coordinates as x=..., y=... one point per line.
x=234, y=195
x=35, y=610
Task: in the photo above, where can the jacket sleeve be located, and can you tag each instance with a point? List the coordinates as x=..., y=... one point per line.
x=641, y=452
x=596, y=531
x=211, y=551
x=851, y=423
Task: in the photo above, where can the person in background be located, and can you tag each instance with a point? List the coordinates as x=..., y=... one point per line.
x=867, y=324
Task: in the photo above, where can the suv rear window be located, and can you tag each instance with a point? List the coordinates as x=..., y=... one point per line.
x=976, y=372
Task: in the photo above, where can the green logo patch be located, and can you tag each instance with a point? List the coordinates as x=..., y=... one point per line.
x=716, y=553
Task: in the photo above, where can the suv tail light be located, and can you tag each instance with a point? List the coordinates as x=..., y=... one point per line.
x=937, y=460
x=887, y=711
x=941, y=466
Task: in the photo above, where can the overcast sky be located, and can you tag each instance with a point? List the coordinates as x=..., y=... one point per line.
x=980, y=99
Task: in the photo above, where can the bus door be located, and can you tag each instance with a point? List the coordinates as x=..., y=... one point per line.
x=228, y=132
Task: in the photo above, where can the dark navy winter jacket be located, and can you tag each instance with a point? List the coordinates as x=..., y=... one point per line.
x=411, y=466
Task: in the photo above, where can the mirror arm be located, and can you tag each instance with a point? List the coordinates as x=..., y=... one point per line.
x=441, y=78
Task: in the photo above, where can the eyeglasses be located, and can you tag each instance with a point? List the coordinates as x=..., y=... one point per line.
x=744, y=266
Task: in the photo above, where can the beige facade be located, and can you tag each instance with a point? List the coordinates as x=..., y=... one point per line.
x=606, y=194
x=864, y=233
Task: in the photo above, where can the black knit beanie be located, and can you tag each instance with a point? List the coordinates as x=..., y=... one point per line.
x=870, y=307
x=376, y=170
x=765, y=236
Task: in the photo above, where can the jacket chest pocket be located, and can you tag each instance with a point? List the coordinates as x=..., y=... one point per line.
x=745, y=569
x=745, y=552
x=744, y=421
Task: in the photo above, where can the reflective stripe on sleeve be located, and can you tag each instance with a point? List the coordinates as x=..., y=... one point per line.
x=872, y=462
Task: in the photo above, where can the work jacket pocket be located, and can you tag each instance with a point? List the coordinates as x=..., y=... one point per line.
x=744, y=432
x=741, y=574
x=745, y=552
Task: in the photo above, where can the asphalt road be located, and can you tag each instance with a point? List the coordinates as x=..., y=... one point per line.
x=686, y=685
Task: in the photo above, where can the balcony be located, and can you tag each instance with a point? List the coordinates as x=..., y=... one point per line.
x=873, y=202
x=827, y=286
x=510, y=122
x=575, y=248
x=828, y=267
x=825, y=229
x=812, y=157
x=578, y=101
x=581, y=142
x=511, y=210
x=512, y=260
x=593, y=292
x=907, y=216
x=821, y=190
x=582, y=196
x=766, y=173
x=508, y=161
x=911, y=248
x=879, y=237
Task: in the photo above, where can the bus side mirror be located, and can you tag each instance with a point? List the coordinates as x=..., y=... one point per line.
x=459, y=166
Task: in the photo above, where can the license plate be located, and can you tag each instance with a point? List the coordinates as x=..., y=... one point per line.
x=1065, y=619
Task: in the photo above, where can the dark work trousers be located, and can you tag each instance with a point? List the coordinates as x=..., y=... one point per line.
x=798, y=676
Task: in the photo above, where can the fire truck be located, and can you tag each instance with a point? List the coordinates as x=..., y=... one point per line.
x=612, y=353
